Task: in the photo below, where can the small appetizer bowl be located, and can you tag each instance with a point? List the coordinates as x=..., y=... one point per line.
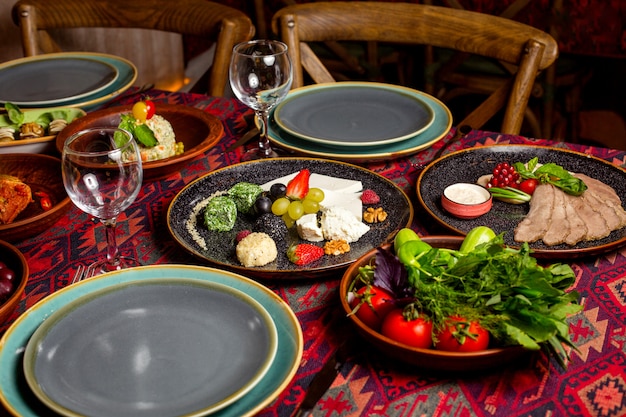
x=16, y=261
x=196, y=129
x=466, y=200
x=430, y=359
x=42, y=173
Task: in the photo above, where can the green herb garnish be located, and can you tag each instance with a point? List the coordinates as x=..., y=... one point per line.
x=551, y=173
x=142, y=133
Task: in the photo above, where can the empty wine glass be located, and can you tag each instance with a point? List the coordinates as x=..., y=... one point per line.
x=260, y=76
x=102, y=175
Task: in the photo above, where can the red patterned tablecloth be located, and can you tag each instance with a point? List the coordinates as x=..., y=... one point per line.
x=369, y=383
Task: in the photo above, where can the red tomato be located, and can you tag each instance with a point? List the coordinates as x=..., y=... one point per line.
x=528, y=186
x=416, y=333
x=373, y=305
x=462, y=336
x=150, y=109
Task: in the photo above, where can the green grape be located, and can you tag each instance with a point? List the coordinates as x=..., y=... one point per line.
x=315, y=194
x=310, y=206
x=288, y=220
x=295, y=210
x=280, y=206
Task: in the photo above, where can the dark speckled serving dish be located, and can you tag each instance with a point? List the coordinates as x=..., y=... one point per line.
x=220, y=246
x=468, y=165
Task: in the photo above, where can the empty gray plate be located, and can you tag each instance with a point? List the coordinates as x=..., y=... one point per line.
x=160, y=347
x=52, y=81
x=349, y=114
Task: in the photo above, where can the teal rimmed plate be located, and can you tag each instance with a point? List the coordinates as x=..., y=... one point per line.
x=193, y=347
x=438, y=129
x=126, y=76
x=52, y=80
x=354, y=114
x=17, y=398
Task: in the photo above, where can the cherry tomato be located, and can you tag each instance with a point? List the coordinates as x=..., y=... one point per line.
x=528, y=186
x=462, y=336
x=416, y=332
x=151, y=109
x=372, y=305
x=143, y=110
x=140, y=111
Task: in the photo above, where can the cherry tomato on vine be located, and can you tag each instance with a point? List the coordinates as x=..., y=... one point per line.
x=416, y=332
x=151, y=108
x=462, y=335
x=143, y=110
x=528, y=186
x=372, y=305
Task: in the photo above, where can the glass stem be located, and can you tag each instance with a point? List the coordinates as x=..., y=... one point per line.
x=264, y=143
x=113, y=256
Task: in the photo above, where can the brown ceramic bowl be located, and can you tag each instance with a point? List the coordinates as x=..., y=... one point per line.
x=43, y=174
x=425, y=358
x=13, y=259
x=196, y=129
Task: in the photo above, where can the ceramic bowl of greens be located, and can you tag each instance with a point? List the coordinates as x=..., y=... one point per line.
x=431, y=358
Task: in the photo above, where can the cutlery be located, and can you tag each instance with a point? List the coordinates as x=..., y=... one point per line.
x=247, y=137
x=322, y=381
x=78, y=275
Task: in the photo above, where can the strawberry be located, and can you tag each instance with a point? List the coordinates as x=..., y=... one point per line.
x=370, y=197
x=298, y=187
x=304, y=253
x=241, y=234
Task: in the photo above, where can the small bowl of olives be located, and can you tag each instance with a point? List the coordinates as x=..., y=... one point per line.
x=13, y=277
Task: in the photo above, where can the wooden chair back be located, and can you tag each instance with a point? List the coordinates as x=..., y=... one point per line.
x=530, y=50
x=218, y=24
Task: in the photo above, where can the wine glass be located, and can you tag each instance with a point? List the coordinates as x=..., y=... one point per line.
x=260, y=76
x=102, y=175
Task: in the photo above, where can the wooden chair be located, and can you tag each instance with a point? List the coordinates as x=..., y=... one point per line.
x=216, y=23
x=530, y=49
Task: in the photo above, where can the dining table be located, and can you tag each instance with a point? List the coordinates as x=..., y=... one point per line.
x=368, y=382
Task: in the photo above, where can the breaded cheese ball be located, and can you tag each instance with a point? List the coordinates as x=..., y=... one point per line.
x=256, y=249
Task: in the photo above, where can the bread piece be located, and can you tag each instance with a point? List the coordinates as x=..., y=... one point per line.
x=15, y=196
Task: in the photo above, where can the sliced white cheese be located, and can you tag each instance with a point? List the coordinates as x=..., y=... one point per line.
x=324, y=182
x=349, y=201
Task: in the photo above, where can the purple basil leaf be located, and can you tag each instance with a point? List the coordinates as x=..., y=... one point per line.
x=391, y=275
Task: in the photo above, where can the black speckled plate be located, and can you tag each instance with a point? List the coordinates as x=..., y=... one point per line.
x=468, y=165
x=219, y=247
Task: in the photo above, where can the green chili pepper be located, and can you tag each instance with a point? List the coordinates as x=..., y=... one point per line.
x=404, y=235
x=410, y=252
x=476, y=236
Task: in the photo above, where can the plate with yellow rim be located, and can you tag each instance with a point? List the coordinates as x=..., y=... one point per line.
x=354, y=114
x=438, y=129
x=67, y=92
x=18, y=399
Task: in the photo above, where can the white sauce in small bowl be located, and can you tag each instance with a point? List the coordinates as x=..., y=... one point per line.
x=466, y=193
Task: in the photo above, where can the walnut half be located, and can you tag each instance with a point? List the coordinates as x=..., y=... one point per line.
x=336, y=247
x=375, y=215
